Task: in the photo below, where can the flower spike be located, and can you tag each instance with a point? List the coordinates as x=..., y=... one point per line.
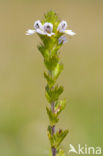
x=52, y=34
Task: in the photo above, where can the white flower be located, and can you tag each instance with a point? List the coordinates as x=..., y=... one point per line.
x=38, y=28
x=45, y=29
x=48, y=28
x=62, y=28
x=38, y=25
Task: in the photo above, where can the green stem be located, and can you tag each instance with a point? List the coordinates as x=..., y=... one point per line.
x=52, y=127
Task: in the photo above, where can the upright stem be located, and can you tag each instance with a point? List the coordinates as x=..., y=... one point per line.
x=53, y=129
x=53, y=151
x=52, y=108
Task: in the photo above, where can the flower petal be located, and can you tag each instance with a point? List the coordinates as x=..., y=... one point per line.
x=50, y=34
x=38, y=25
x=39, y=31
x=62, y=26
x=48, y=27
x=30, y=32
x=69, y=32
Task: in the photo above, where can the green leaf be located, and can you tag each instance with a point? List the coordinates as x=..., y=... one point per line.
x=43, y=50
x=49, y=79
x=59, y=106
x=59, y=137
x=57, y=70
x=51, y=62
x=52, y=94
x=60, y=153
x=52, y=116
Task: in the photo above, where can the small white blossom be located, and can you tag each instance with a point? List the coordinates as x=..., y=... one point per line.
x=62, y=28
x=45, y=29
x=38, y=28
x=38, y=25
x=48, y=28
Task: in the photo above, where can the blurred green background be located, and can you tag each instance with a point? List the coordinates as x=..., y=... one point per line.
x=23, y=118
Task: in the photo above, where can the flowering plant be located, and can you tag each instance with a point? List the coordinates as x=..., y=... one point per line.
x=51, y=32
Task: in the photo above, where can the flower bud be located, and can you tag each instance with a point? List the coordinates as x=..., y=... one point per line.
x=62, y=39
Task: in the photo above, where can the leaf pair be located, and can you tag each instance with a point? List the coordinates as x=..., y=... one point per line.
x=53, y=118
x=51, y=78
x=52, y=94
x=58, y=108
x=56, y=138
x=51, y=62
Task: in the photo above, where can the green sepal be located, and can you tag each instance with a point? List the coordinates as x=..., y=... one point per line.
x=59, y=106
x=52, y=116
x=52, y=94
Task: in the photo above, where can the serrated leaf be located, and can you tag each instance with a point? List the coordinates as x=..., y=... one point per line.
x=43, y=50
x=52, y=116
x=52, y=94
x=60, y=135
x=57, y=71
x=49, y=79
x=51, y=62
x=59, y=106
x=57, y=138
